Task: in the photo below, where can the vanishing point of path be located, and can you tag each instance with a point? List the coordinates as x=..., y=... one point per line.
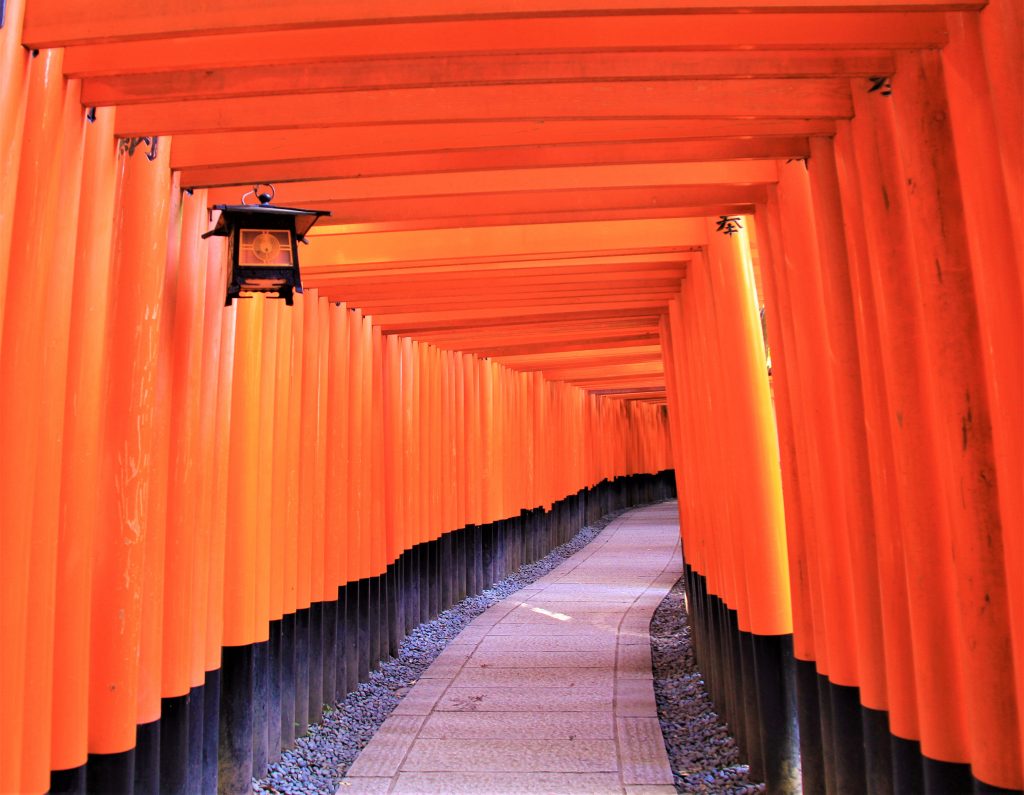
x=549, y=690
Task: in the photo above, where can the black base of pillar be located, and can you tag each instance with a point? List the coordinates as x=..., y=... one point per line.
x=396, y=619
x=287, y=680
x=234, y=757
x=329, y=654
x=175, y=721
x=196, y=731
x=751, y=707
x=776, y=697
x=274, y=692
x=907, y=772
x=423, y=591
x=812, y=752
x=351, y=639
x=373, y=622
x=211, y=730
x=68, y=782
x=877, y=751
x=316, y=662
x=946, y=778
x=827, y=738
x=147, y=759
x=260, y=708
x=847, y=738
x=111, y=773
x=363, y=630
x=302, y=707
x=340, y=658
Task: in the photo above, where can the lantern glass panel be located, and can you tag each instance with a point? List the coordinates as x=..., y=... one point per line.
x=264, y=248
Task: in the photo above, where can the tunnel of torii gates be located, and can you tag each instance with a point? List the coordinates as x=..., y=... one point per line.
x=554, y=225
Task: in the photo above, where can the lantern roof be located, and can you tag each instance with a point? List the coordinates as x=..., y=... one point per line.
x=304, y=219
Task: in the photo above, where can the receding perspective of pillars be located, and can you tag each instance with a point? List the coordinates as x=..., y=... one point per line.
x=894, y=345
x=233, y=514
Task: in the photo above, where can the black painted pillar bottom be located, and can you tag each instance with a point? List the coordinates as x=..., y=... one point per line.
x=211, y=730
x=234, y=757
x=111, y=773
x=260, y=708
x=196, y=730
x=847, y=738
x=316, y=662
x=301, y=647
x=68, y=782
x=351, y=637
x=340, y=654
x=147, y=759
x=287, y=680
x=174, y=745
x=776, y=696
x=907, y=773
x=274, y=691
x=329, y=629
x=363, y=630
x=946, y=778
x=877, y=751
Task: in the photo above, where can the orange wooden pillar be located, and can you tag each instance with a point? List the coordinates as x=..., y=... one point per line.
x=899, y=655
x=378, y=542
x=291, y=619
x=391, y=487
x=80, y=461
x=971, y=469
x=137, y=281
x=714, y=586
x=992, y=204
x=336, y=525
x=801, y=494
x=218, y=369
x=264, y=714
x=779, y=341
x=357, y=495
x=842, y=508
x=764, y=578
x=320, y=612
x=148, y=735
x=308, y=419
x=56, y=259
x=172, y=628
x=31, y=230
x=280, y=613
x=240, y=553
x=407, y=496
x=863, y=522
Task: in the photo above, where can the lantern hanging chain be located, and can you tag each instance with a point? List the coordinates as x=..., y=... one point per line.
x=263, y=197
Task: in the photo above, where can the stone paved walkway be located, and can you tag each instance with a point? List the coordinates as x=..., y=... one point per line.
x=548, y=691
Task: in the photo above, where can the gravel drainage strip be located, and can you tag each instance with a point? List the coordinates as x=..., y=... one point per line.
x=702, y=753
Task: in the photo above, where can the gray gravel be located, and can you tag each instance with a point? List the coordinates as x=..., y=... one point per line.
x=703, y=754
x=321, y=758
